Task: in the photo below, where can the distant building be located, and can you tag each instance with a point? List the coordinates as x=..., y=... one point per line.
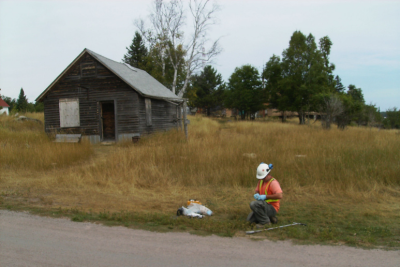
x=4, y=107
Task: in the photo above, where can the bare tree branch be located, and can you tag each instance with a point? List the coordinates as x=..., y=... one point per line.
x=167, y=21
x=332, y=107
x=197, y=55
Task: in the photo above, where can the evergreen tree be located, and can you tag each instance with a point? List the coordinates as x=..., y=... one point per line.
x=353, y=103
x=338, y=85
x=272, y=74
x=295, y=83
x=358, y=103
x=209, y=87
x=137, y=53
x=22, y=101
x=325, y=45
x=245, y=91
x=304, y=74
x=356, y=94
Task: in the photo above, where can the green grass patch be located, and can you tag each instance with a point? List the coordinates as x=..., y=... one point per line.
x=326, y=224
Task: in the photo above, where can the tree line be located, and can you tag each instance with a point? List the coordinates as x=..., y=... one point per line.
x=21, y=104
x=301, y=80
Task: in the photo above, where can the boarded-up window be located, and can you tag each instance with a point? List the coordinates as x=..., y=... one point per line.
x=88, y=69
x=69, y=112
x=147, y=101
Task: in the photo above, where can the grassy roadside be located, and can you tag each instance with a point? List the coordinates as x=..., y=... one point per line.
x=326, y=223
x=343, y=184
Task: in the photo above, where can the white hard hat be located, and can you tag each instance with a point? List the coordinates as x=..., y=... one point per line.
x=263, y=170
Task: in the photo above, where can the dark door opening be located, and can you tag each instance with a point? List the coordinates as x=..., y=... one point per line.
x=108, y=121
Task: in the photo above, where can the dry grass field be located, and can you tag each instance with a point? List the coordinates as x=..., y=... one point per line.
x=344, y=184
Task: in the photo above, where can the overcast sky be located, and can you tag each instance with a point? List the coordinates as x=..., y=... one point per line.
x=38, y=39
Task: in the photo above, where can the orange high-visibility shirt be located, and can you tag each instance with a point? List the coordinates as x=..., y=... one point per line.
x=273, y=188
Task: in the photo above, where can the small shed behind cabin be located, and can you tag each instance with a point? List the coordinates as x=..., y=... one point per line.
x=4, y=107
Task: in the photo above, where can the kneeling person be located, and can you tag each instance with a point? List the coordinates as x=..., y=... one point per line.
x=267, y=194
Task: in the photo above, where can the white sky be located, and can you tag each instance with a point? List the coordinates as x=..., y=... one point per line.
x=38, y=39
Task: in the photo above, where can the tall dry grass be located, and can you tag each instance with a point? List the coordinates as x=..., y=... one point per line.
x=356, y=159
x=25, y=146
x=164, y=169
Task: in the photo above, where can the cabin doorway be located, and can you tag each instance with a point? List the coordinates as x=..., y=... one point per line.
x=108, y=121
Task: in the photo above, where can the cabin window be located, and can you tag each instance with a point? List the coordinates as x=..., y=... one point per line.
x=69, y=112
x=147, y=102
x=88, y=69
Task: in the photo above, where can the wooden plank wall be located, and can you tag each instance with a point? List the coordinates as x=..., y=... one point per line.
x=102, y=85
x=163, y=116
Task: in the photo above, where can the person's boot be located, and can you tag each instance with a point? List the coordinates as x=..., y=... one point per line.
x=262, y=226
x=273, y=219
x=250, y=217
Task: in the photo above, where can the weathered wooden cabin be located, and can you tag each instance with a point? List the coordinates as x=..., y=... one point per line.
x=104, y=100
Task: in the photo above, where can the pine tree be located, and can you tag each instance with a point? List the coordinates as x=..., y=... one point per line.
x=245, y=91
x=137, y=53
x=306, y=72
x=272, y=74
x=209, y=86
x=339, y=86
x=22, y=101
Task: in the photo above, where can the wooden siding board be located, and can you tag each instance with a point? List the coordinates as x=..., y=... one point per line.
x=163, y=116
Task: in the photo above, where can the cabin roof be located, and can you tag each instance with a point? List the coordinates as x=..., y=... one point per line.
x=3, y=104
x=142, y=82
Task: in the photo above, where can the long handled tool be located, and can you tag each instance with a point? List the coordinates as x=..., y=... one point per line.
x=257, y=231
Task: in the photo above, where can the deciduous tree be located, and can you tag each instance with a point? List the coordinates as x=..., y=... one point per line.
x=392, y=119
x=12, y=102
x=162, y=70
x=372, y=115
x=331, y=108
x=167, y=23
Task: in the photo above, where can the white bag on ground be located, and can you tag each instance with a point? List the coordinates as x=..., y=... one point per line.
x=194, y=210
x=200, y=209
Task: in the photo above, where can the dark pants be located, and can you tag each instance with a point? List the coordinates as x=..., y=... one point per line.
x=261, y=212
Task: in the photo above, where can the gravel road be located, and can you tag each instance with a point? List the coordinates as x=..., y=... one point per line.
x=28, y=240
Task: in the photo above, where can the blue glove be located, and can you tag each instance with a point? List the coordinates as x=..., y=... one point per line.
x=271, y=166
x=262, y=197
x=256, y=196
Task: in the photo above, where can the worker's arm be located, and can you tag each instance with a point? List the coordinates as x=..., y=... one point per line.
x=275, y=196
x=257, y=190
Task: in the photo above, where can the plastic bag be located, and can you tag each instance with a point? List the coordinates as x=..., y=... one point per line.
x=194, y=210
x=199, y=209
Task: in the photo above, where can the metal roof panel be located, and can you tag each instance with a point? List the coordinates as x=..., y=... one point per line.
x=138, y=79
x=142, y=82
